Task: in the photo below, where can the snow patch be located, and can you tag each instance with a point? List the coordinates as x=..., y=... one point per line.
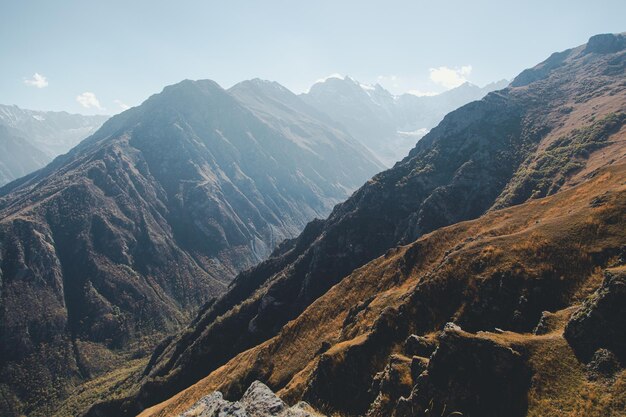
x=417, y=133
x=419, y=93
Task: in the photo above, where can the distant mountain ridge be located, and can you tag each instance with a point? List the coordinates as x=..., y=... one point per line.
x=389, y=125
x=122, y=239
x=33, y=138
x=18, y=157
x=287, y=113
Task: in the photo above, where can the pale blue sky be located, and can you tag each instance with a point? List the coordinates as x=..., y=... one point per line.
x=123, y=51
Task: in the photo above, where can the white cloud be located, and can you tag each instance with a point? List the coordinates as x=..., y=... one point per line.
x=122, y=105
x=37, y=80
x=450, y=77
x=89, y=100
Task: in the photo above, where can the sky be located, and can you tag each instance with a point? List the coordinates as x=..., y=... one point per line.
x=99, y=57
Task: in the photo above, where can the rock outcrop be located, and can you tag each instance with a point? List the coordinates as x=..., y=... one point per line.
x=472, y=376
x=600, y=324
x=257, y=401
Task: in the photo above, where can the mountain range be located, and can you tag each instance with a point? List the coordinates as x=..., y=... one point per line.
x=389, y=125
x=30, y=139
x=480, y=276
x=118, y=242
x=238, y=251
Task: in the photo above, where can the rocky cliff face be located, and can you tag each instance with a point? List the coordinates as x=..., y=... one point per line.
x=598, y=325
x=123, y=238
x=557, y=126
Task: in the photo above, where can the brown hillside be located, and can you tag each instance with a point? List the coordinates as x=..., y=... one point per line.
x=501, y=271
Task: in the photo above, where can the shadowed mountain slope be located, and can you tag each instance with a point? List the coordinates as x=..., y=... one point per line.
x=120, y=241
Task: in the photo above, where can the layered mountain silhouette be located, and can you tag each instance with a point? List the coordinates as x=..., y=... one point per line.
x=19, y=156
x=118, y=242
x=30, y=139
x=351, y=315
x=388, y=125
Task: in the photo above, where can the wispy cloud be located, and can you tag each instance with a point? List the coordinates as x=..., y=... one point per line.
x=37, y=80
x=89, y=100
x=122, y=105
x=450, y=77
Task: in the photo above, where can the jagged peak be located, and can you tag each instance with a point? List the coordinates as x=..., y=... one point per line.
x=606, y=43
x=334, y=80
x=599, y=44
x=186, y=94
x=188, y=85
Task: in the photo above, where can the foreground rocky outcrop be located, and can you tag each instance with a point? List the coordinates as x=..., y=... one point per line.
x=320, y=318
x=471, y=373
x=119, y=242
x=257, y=401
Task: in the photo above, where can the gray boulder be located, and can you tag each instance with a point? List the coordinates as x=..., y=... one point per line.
x=257, y=401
